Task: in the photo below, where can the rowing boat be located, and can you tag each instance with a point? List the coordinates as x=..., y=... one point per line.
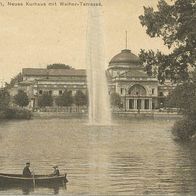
x=36, y=180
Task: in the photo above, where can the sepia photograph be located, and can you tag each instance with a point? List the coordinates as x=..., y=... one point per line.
x=98, y=97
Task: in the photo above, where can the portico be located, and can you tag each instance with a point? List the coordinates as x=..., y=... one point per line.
x=142, y=103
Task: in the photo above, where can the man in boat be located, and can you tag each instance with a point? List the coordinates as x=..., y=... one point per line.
x=56, y=171
x=26, y=170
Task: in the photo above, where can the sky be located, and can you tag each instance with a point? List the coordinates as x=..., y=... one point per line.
x=35, y=36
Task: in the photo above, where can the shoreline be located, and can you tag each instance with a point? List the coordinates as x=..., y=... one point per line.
x=116, y=115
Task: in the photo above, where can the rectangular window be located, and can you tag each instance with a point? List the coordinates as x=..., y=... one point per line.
x=40, y=92
x=152, y=91
x=60, y=92
x=131, y=104
x=153, y=104
x=121, y=91
x=50, y=92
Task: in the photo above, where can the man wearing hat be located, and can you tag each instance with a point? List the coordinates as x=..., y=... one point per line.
x=26, y=170
x=56, y=171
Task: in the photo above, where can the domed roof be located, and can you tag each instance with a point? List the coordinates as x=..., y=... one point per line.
x=125, y=56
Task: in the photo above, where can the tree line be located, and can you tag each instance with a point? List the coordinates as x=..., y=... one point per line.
x=66, y=99
x=46, y=99
x=9, y=112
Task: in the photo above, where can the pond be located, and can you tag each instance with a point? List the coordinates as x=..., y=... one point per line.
x=132, y=157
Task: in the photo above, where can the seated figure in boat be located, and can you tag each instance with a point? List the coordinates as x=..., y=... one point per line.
x=56, y=171
x=26, y=170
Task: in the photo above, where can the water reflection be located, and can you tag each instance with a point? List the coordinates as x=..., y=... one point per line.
x=28, y=189
x=168, y=173
x=130, y=158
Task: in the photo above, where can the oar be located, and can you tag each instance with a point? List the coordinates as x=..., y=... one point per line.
x=33, y=178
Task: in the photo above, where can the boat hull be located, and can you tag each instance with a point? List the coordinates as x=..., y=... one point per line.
x=38, y=180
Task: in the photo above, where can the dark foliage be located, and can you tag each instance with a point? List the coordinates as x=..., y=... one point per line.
x=176, y=25
x=184, y=129
x=4, y=99
x=183, y=97
x=16, y=113
x=66, y=99
x=59, y=66
x=80, y=99
x=21, y=99
x=45, y=100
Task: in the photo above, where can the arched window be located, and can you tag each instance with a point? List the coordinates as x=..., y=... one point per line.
x=137, y=89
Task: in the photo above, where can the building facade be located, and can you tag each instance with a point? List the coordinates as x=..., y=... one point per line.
x=126, y=76
x=138, y=91
x=36, y=82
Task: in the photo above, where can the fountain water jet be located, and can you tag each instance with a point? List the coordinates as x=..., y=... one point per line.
x=99, y=106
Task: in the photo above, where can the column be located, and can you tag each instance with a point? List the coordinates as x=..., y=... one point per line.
x=135, y=104
x=142, y=104
x=150, y=104
x=127, y=104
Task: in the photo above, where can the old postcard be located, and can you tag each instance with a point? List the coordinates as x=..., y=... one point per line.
x=97, y=97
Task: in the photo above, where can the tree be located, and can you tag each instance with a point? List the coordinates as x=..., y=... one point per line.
x=59, y=66
x=184, y=97
x=60, y=100
x=21, y=99
x=4, y=99
x=80, y=99
x=66, y=99
x=115, y=100
x=176, y=25
x=18, y=78
x=45, y=100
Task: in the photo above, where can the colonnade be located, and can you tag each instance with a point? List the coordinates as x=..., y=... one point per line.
x=139, y=103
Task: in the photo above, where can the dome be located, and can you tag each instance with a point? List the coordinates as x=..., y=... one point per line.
x=126, y=56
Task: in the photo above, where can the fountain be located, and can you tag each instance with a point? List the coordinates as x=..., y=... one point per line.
x=99, y=106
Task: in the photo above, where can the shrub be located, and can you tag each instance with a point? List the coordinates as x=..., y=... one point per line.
x=15, y=113
x=184, y=129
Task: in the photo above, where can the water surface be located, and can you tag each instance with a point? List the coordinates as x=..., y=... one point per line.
x=135, y=157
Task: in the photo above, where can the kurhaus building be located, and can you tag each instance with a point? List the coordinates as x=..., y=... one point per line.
x=37, y=81
x=137, y=89
x=126, y=76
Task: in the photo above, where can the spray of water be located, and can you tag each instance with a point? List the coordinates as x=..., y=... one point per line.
x=99, y=106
